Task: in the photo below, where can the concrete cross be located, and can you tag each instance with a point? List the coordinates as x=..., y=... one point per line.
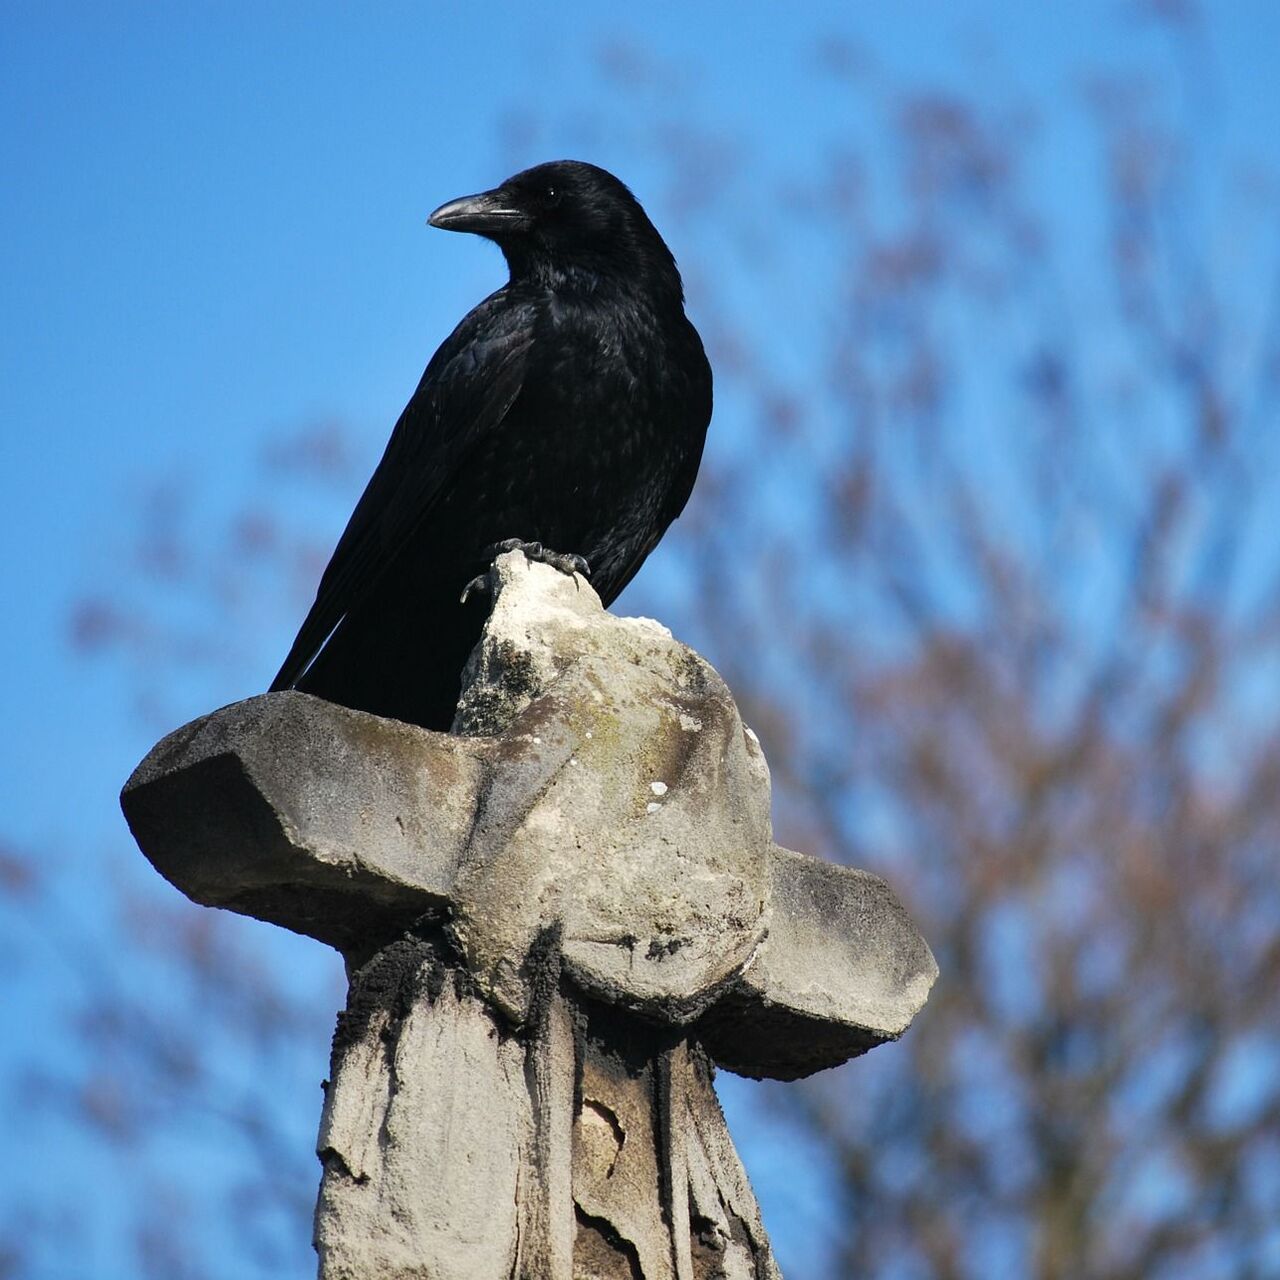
x=557, y=920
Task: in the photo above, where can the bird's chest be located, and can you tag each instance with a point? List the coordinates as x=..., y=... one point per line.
x=597, y=369
x=592, y=453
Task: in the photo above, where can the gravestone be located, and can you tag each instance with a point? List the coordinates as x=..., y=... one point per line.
x=558, y=921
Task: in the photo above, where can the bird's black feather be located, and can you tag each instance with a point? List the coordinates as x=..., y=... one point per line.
x=569, y=408
x=467, y=390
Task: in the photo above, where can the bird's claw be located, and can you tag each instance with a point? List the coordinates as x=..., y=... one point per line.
x=567, y=564
x=570, y=564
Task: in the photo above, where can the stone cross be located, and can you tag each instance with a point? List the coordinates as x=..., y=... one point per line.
x=558, y=920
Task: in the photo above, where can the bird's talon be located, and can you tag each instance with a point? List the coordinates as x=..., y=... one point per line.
x=568, y=564
x=479, y=583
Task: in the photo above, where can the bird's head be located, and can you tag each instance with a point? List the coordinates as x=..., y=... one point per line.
x=566, y=221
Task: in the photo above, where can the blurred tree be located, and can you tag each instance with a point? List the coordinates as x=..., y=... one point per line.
x=985, y=546
x=992, y=566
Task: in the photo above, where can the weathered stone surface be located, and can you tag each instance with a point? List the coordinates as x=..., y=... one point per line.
x=627, y=1186
x=626, y=804
x=329, y=822
x=555, y=919
x=727, y=1235
x=426, y=1131
x=622, y=805
x=588, y=1147
x=842, y=970
x=541, y=624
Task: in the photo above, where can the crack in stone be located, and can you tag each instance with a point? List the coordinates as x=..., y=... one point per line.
x=610, y=1118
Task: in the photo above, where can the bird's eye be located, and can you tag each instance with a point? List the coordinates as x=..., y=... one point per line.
x=551, y=196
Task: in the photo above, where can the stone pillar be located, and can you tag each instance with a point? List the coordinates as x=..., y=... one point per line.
x=558, y=920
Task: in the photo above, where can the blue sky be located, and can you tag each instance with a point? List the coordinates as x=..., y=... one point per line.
x=213, y=221
x=212, y=228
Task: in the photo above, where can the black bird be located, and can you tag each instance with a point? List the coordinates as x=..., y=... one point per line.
x=567, y=412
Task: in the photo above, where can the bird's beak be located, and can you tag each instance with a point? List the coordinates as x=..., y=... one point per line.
x=489, y=214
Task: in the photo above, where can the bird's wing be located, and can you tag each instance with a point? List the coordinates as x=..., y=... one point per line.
x=466, y=391
x=692, y=420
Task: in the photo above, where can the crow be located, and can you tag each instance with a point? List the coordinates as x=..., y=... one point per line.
x=566, y=415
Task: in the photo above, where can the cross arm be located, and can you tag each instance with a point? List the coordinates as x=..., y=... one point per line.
x=332, y=823
x=599, y=788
